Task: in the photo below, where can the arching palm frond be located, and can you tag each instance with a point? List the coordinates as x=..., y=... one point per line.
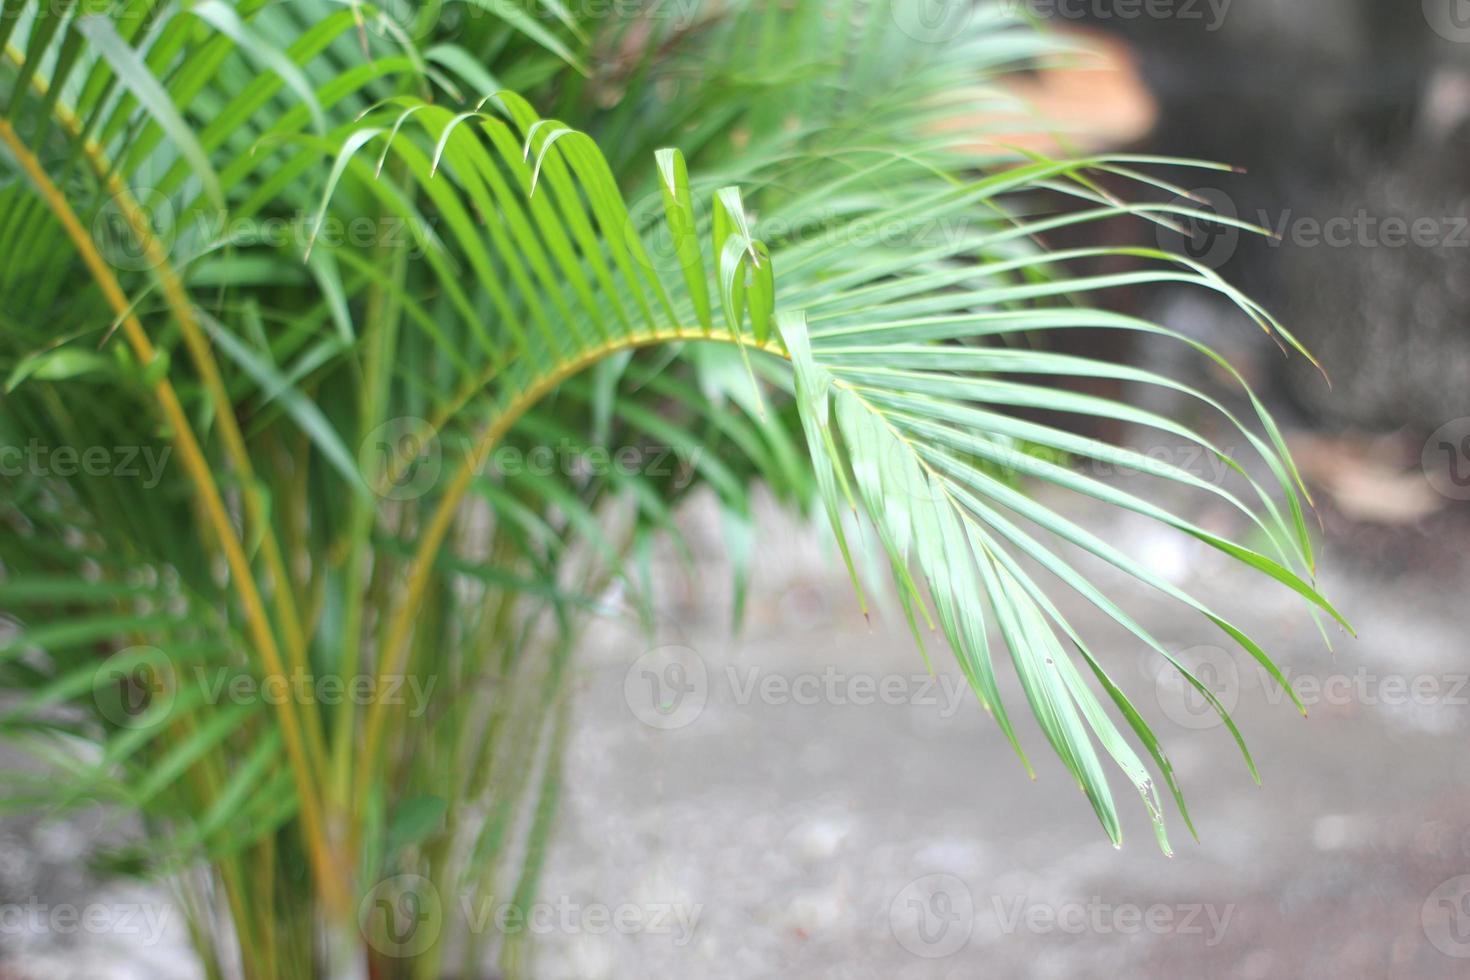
x=328, y=265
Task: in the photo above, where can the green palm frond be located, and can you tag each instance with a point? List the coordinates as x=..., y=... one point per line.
x=817, y=292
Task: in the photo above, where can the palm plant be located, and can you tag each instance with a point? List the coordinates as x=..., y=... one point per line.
x=323, y=262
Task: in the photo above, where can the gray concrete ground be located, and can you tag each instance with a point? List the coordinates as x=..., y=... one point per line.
x=804, y=800
x=821, y=829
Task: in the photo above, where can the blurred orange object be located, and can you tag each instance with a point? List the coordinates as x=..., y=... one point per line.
x=1094, y=99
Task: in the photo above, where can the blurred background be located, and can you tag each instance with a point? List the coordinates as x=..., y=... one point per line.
x=900, y=834
x=805, y=799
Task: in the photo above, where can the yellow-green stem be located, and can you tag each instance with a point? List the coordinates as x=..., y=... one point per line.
x=328, y=870
x=395, y=646
x=178, y=303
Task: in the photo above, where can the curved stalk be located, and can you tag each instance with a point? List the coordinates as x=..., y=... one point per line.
x=318, y=847
x=177, y=300
x=395, y=646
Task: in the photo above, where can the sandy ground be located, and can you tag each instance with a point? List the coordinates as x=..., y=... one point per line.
x=804, y=800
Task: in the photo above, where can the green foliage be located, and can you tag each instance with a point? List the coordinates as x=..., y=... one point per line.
x=323, y=262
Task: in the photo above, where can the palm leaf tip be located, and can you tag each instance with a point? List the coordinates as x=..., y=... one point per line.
x=927, y=463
